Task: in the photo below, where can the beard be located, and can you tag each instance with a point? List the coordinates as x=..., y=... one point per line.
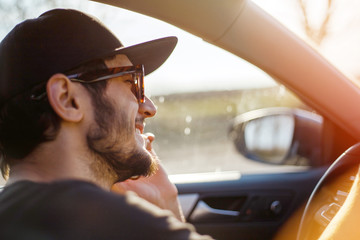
x=111, y=140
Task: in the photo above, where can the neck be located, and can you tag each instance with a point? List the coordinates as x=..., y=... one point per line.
x=64, y=158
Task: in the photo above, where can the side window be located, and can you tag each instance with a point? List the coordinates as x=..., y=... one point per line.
x=193, y=129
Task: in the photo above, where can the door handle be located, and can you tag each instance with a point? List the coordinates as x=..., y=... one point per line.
x=204, y=213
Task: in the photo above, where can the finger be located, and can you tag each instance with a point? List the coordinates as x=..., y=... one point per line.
x=150, y=136
x=148, y=144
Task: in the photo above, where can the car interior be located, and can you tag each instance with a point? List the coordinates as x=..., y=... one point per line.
x=276, y=170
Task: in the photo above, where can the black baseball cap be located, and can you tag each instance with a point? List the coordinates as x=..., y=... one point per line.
x=60, y=40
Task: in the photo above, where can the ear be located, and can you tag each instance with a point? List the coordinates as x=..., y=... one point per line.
x=64, y=98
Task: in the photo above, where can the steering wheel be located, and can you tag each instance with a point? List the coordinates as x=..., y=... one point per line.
x=329, y=194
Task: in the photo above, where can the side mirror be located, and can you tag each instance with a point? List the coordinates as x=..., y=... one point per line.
x=282, y=136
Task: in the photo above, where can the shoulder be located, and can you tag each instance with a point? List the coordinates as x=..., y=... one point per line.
x=129, y=216
x=81, y=210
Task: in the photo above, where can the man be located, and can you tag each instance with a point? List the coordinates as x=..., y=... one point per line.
x=72, y=122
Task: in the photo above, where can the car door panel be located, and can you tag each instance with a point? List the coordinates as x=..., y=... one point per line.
x=254, y=206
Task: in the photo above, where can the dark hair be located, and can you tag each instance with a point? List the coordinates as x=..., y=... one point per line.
x=25, y=123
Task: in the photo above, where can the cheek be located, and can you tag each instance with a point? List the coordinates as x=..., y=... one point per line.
x=124, y=103
x=125, y=112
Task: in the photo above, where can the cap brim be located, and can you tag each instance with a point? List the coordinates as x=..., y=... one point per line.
x=152, y=54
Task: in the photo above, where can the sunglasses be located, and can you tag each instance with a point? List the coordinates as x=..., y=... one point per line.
x=136, y=72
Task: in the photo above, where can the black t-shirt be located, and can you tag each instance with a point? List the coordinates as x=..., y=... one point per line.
x=81, y=210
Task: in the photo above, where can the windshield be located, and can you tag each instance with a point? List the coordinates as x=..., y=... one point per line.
x=330, y=26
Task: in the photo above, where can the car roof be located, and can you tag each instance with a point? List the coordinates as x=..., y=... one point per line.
x=242, y=28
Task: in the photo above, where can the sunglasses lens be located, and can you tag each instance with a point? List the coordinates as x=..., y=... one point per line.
x=140, y=83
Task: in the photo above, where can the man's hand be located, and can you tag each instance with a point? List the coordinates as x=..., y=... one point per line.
x=156, y=189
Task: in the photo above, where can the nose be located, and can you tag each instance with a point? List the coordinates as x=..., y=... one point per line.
x=147, y=109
